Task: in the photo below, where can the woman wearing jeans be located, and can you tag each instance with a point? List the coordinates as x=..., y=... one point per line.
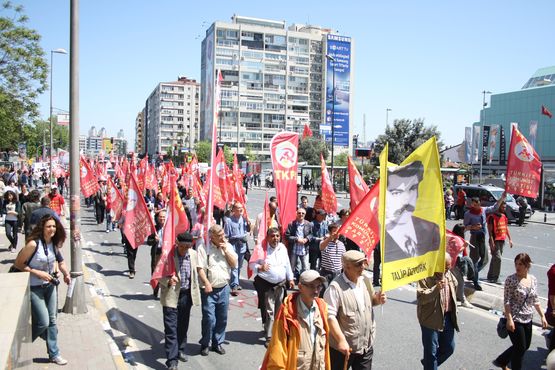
x=11, y=210
x=521, y=297
x=42, y=259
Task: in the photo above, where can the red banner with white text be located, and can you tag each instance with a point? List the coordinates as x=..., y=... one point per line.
x=329, y=200
x=284, y=152
x=138, y=222
x=357, y=187
x=523, y=167
x=89, y=182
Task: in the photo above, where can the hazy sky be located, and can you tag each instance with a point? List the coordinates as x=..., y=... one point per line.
x=421, y=59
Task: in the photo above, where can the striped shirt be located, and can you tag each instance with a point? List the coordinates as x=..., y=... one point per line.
x=185, y=271
x=331, y=256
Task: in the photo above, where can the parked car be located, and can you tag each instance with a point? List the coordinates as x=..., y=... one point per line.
x=488, y=195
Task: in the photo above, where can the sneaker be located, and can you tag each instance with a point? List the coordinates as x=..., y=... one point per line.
x=477, y=287
x=238, y=287
x=107, y=231
x=131, y=275
x=59, y=360
x=235, y=292
x=467, y=304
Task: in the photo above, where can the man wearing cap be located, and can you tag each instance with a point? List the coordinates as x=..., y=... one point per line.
x=272, y=277
x=100, y=201
x=56, y=201
x=350, y=298
x=300, y=337
x=214, y=264
x=178, y=294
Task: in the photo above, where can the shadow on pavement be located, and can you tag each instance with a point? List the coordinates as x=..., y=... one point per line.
x=135, y=297
x=106, y=253
x=246, y=337
x=139, y=331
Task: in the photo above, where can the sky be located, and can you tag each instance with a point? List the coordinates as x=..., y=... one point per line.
x=421, y=59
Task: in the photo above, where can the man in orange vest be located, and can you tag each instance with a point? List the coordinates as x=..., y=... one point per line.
x=498, y=229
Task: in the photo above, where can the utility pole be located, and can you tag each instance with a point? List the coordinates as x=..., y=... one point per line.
x=75, y=300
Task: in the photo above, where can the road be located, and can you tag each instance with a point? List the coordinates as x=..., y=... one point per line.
x=134, y=312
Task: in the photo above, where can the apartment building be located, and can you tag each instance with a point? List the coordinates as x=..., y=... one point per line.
x=275, y=78
x=171, y=117
x=139, y=132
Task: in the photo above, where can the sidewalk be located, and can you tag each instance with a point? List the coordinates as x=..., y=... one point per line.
x=83, y=339
x=542, y=217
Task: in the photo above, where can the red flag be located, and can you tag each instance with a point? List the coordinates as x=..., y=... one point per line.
x=181, y=220
x=114, y=198
x=166, y=264
x=357, y=186
x=150, y=178
x=455, y=245
x=284, y=153
x=218, y=185
x=138, y=222
x=259, y=251
x=89, y=182
x=523, y=167
x=329, y=200
x=362, y=226
x=546, y=112
x=307, y=131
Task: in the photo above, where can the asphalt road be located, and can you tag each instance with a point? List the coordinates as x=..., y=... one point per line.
x=138, y=316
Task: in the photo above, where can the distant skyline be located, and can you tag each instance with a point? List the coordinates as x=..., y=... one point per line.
x=427, y=60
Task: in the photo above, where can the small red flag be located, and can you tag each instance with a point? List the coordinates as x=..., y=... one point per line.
x=219, y=181
x=329, y=200
x=89, y=183
x=259, y=251
x=115, y=199
x=546, y=112
x=138, y=222
x=357, y=186
x=307, y=131
x=455, y=245
x=362, y=226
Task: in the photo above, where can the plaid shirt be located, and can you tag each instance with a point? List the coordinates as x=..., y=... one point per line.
x=185, y=271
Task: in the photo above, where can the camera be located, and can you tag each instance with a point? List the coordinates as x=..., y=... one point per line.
x=55, y=281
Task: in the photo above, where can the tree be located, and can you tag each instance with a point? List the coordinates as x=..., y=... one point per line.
x=203, y=150
x=404, y=136
x=23, y=73
x=340, y=159
x=310, y=149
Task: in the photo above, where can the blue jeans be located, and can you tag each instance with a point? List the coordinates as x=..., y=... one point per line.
x=438, y=345
x=109, y=224
x=240, y=249
x=214, y=316
x=43, y=314
x=176, y=325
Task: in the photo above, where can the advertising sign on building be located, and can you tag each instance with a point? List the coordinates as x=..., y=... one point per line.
x=338, y=70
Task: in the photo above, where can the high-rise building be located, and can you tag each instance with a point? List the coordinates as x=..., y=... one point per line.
x=171, y=117
x=275, y=78
x=97, y=143
x=139, y=132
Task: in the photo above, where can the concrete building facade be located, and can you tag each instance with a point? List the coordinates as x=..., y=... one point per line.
x=274, y=78
x=171, y=117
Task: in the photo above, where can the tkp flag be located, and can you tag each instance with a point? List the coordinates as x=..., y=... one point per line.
x=219, y=181
x=523, y=167
x=89, y=182
x=138, y=222
x=362, y=226
x=284, y=153
x=357, y=186
x=115, y=198
x=329, y=200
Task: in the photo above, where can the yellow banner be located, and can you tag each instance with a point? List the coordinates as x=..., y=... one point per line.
x=412, y=217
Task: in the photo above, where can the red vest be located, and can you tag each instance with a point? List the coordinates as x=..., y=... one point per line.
x=500, y=224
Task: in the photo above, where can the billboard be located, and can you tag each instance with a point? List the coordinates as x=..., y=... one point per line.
x=339, y=49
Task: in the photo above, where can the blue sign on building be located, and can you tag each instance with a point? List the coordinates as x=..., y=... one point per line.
x=339, y=49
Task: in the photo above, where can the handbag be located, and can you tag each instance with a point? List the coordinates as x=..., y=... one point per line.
x=502, y=323
x=549, y=317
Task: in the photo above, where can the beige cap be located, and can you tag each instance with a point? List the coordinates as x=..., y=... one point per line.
x=353, y=256
x=309, y=276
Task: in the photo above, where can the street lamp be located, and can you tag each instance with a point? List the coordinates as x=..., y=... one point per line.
x=482, y=124
x=387, y=110
x=332, y=60
x=57, y=51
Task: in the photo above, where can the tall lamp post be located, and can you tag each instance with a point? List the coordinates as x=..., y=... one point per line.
x=482, y=124
x=52, y=52
x=332, y=60
x=387, y=110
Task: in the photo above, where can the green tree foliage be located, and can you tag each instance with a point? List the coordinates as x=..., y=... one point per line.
x=202, y=149
x=36, y=135
x=340, y=159
x=310, y=149
x=404, y=136
x=23, y=75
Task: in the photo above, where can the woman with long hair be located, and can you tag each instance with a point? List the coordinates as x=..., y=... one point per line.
x=521, y=297
x=41, y=257
x=11, y=210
